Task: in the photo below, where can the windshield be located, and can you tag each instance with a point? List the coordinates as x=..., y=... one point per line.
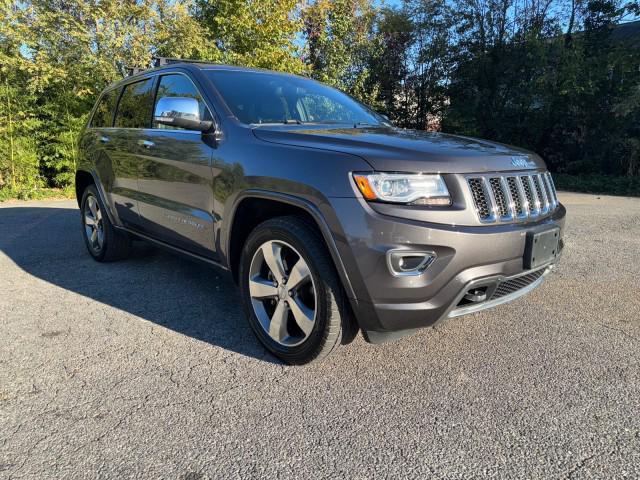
x=258, y=98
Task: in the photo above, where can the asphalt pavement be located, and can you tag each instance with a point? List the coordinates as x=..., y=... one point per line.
x=146, y=368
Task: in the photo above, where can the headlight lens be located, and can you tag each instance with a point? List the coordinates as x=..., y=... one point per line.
x=412, y=188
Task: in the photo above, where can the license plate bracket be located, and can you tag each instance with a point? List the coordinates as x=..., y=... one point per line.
x=541, y=248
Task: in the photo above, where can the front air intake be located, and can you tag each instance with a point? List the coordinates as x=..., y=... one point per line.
x=510, y=286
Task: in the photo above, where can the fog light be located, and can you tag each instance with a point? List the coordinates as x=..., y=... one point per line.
x=409, y=262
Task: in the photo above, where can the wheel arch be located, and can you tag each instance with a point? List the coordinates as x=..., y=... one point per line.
x=253, y=207
x=83, y=179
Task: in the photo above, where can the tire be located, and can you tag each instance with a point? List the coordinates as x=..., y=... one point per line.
x=312, y=292
x=103, y=241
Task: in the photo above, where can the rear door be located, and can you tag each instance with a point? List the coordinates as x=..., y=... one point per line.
x=97, y=142
x=175, y=176
x=133, y=115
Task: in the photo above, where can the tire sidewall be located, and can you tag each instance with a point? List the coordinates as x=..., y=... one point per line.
x=92, y=191
x=310, y=347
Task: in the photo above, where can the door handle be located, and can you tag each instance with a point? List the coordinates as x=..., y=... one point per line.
x=146, y=143
x=104, y=139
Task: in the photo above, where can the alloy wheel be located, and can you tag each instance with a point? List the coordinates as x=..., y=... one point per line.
x=93, y=226
x=283, y=293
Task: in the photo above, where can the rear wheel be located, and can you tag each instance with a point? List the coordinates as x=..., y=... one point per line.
x=291, y=292
x=103, y=241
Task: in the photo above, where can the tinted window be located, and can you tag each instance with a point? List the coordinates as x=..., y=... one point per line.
x=179, y=86
x=256, y=97
x=134, y=108
x=317, y=107
x=103, y=116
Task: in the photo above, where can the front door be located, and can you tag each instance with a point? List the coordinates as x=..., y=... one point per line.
x=175, y=178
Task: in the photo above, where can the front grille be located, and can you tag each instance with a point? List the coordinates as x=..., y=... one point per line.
x=512, y=197
x=538, y=192
x=510, y=286
x=499, y=196
x=479, y=197
x=526, y=186
x=512, y=182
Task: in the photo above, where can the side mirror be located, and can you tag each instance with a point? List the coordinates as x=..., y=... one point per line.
x=183, y=112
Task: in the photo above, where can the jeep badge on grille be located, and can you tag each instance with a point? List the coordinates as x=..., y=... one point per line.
x=522, y=162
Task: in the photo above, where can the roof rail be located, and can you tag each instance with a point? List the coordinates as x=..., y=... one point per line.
x=134, y=70
x=161, y=62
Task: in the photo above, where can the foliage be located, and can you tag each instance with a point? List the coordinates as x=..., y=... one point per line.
x=57, y=57
x=340, y=42
x=573, y=98
x=390, y=64
x=255, y=33
x=602, y=184
x=548, y=75
x=36, y=193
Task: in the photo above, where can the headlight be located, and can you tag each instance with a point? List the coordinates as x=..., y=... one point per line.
x=412, y=188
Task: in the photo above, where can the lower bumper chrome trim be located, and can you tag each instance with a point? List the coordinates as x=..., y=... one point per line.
x=467, y=309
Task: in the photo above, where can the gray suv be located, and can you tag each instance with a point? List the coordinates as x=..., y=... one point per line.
x=330, y=219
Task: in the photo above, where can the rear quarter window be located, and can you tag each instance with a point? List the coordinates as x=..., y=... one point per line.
x=103, y=115
x=134, y=108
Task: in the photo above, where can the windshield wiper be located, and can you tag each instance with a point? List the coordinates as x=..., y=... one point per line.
x=365, y=124
x=288, y=121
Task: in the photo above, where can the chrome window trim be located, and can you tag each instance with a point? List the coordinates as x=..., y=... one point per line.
x=153, y=76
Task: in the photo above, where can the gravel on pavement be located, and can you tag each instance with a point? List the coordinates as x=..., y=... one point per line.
x=147, y=368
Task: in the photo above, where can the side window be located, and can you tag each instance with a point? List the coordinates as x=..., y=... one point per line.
x=103, y=116
x=179, y=86
x=134, y=108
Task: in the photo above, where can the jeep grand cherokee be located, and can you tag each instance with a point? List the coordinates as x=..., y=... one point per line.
x=330, y=219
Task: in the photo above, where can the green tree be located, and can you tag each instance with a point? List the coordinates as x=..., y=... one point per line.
x=433, y=57
x=255, y=33
x=69, y=50
x=390, y=64
x=19, y=165
x=340, y=40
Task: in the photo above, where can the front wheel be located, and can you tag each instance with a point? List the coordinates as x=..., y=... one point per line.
x=291, y=292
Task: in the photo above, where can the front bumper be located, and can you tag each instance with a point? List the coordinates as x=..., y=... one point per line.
x=467, y=256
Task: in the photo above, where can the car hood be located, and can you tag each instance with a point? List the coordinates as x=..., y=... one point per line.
x=400, y=150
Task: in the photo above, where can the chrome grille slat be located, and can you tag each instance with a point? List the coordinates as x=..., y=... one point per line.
x=511, y=203
x=551, y=189
x=526, y=188
x=544, y=207
x=509, y=197
x=536, y=205
x=492, y=200
x=480, y=198
x=500, y=198
x=545, y=193
x=523, y=198
x=516, y=196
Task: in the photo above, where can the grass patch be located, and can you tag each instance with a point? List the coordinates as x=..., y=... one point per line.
x=600, y=184
x=36, y=193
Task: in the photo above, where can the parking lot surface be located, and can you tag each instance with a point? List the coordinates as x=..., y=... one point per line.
x=147, y=368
